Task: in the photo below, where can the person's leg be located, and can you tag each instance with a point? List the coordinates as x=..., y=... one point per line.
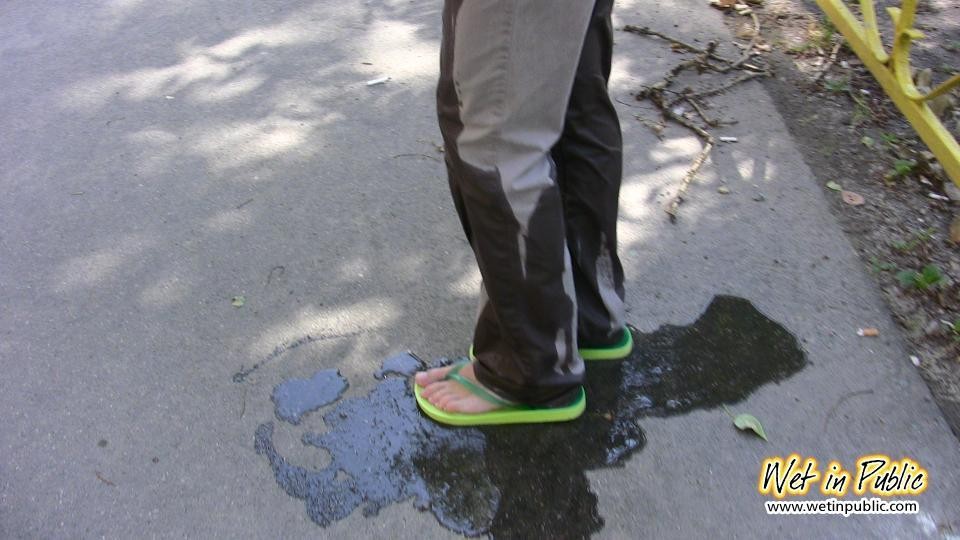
x=507, y=67
x=589, y=165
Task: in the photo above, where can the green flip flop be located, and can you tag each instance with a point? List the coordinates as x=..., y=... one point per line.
x=509, y=413
x=617, y=351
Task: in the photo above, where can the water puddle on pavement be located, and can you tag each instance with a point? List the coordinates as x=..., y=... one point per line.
x=523, y=481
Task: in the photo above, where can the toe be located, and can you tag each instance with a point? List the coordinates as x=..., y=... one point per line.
x=426, y=378
x=437, y=393
x=433, y=389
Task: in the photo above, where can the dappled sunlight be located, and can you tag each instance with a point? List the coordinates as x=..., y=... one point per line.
x=669, y=148
x=468, y=285
x=166, y=292
x=239, y=143
x=353, y=269
x=228, y=220
x=750, y=167
x=637, y=190
x=147, y=83
x=94, y=268
x=212, y=92
x=393, y=46
x=199, y=64
x=370, y=314
x=291, y=32
x=746, y=167
x=230, y=145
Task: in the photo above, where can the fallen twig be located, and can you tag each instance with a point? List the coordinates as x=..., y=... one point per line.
x=703, y=115
x=722, y=88
x=682, y=45
x=708, y=145
x=748, y=52
x=829, y=63
x=644, y=31
x=699, y=61
x=655, y=127
x=104, y=480
x=657, y=92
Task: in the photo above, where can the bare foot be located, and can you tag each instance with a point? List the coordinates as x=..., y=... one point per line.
x=451, y=396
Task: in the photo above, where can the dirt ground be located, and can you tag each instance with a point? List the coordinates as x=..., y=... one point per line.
x=856, y=141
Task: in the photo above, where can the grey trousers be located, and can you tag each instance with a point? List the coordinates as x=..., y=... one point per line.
x=534, y=161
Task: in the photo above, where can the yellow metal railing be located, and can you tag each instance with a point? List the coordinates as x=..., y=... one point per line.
x=892, y=71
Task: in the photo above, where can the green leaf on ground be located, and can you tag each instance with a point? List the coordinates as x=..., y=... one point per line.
x=238, y=301
x=927, y=278
x=834, y=186
x=903, y=166
x=906, y=277
x=931, y=275
x=868, y=141
x=748, y=421
x=745, y=422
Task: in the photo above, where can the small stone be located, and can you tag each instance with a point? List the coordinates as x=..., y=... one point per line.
x=759, y=197
x=852, y=198
x=952, y=191
x=723, y=190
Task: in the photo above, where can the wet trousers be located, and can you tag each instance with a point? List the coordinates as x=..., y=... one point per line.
x=534, y=161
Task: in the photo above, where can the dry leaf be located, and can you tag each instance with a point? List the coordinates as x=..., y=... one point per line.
x=851, y=198
x=746, y=31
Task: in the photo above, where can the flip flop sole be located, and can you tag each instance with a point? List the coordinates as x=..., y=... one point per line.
x=614, y=352
x=503, y=416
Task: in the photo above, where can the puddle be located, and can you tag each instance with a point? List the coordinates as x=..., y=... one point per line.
x=296, y=397
x=524, y=481
x=404, y=364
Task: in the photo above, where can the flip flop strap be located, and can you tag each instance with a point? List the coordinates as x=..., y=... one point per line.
x=475, y=389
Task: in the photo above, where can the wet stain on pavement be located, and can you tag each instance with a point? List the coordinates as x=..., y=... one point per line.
x=296, y=397
x=405, y=364
x=523, y=481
